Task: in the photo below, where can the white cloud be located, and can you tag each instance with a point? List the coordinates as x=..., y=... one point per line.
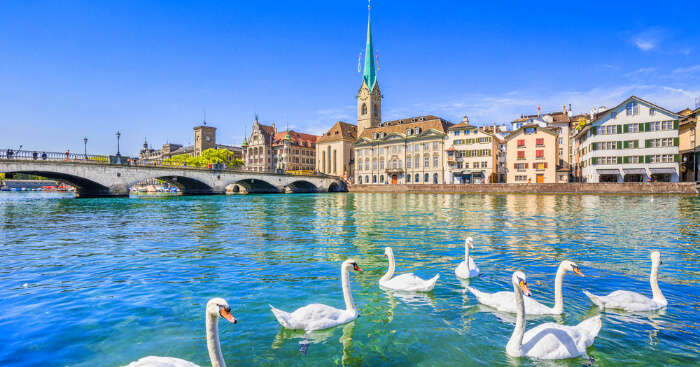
x=687, y=70
x=644, y=44
x=649, y=39
x=640, y=72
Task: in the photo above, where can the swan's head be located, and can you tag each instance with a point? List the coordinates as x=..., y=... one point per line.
x=656, y=258
x=469, y=242
x=351, y=264
x=218, y=307
x=388, y=251
x=571, y=266
x=520, y=279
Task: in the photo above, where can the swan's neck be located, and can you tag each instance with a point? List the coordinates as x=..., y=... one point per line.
x=466, y=255
x=347, y=295
x=515, y=343
x=558, y=295
x=392, y=266
x=213, y=345
x=655, y=290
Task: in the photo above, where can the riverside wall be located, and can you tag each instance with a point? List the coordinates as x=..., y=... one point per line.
x=686, y=188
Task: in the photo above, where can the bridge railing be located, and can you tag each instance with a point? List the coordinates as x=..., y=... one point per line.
x=38, y=155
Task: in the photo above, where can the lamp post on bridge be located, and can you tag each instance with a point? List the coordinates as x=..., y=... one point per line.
x=85, y=146
x=119, y=159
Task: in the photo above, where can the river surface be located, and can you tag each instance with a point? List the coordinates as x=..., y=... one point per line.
x=103, y=282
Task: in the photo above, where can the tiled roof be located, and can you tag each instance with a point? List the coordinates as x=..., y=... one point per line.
x=267, y=129
x=301, y=139
x=340, y=131
x=400, y=126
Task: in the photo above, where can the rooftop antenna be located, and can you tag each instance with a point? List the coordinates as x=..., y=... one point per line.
x=204, y=116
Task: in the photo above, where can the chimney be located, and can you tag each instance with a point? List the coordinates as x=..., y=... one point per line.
x=564, y=109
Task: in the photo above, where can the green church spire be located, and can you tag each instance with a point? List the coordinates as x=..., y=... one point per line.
x=370, y=72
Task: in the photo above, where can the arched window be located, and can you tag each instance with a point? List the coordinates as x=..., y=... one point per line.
x=364, y=108
x=426, y=179
x=359, y=180
x=408, y=178
x=417, y=178
x=435, y=178
x=366, y=178
x=381, y=179
x=374, y=109
x=374, y=179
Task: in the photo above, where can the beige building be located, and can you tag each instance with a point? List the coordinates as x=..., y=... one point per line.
x=293, y=151
x=472, y=154
x=408, y=151
x=257, y=150
x=532, y=153
x=334, y=154
x=689, y=145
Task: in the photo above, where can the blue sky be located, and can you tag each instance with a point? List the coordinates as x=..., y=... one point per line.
x=149, y=69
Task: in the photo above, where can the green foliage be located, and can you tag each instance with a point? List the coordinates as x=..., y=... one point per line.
x=581, y=124
x=209, y=156
x=2, y=176
x=100, y=159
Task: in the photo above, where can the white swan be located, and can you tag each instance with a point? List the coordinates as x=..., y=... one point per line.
x=317, y=316
x=633, y=301
x=504, y=301
x=548, y=340
x=463, y=270
x=215, y=307
x=404, y=282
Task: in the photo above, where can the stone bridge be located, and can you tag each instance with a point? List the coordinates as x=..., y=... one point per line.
x=107, y=180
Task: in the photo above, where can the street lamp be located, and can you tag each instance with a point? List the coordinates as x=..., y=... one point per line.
x=85, y=145
x=119, y=160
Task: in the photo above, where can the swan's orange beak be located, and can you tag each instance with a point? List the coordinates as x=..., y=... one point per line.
x=526, y=290
x=357, y=268
x=577, y=271
x=227, y=315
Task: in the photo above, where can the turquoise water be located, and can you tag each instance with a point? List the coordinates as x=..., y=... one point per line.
x=103, y=282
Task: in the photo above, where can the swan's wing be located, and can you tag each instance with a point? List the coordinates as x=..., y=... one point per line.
x=463, y=272
x=505, y=302
x=627, y=300
x=554, y=341
x=283, y=317
x=318, y=316
x=153, y=361
x=410, y=283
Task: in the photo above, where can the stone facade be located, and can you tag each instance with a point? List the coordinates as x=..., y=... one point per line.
x=633, y=142
x=257, y=150
x=411, y=150
x=204, y=138
x=532, y=153
x=334, y=153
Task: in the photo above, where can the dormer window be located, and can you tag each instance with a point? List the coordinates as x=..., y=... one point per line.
x=408, y=131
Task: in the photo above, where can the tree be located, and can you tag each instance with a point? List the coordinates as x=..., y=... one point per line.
x=2, y=176
x=209, y=156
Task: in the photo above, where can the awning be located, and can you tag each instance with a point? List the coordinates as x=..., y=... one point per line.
x=662, y=170
x=608, y=171
x=634, y=171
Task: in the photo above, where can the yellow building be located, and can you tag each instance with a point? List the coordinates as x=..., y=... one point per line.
x=689, y=145
x=334, y=150
x=532, y=153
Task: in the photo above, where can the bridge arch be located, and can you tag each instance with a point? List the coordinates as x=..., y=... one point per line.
x=252, y=186
x=84, y=187
x=301, y=186
x=186, y=185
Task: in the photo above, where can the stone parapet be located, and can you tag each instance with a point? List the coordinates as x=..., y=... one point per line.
x=688, y=188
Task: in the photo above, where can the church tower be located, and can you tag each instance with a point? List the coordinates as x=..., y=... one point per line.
x=369, y=98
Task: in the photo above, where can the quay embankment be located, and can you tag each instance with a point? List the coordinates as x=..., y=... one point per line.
x=674, y=188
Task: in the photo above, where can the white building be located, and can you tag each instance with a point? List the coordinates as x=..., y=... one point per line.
x=472, y=154
x=636, y=141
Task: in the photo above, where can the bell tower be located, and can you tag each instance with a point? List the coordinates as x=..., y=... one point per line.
x=369, y=98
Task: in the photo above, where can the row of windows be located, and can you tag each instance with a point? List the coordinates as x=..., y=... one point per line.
x=380, y=179
x=524, y=166
x=634, y=128
x=483, y=164
x=471, y=153
x=398, y=148
x=654, y=158
x=397, y=163
x=539, y=154
x=520, y=178
x=467, y=131
x=631, y=144
x=632, y=109
x=538, y=142
x=481, y=140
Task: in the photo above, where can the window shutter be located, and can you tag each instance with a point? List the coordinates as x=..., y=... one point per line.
x=619, y=129
x=641, y=159
x=675, y=124
x=515, y=165
x=636, y=143
x=647, y=159
x=619, y=145
x=525, y=165
x=646, y=127
x=627, y=128
x=675, y=142
x=647, y=143
x=595, y=146
x=625, y=159
x=545, y=164
x=619, y=160
x=676, y=158
x=594, y=130
x=594, y=160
